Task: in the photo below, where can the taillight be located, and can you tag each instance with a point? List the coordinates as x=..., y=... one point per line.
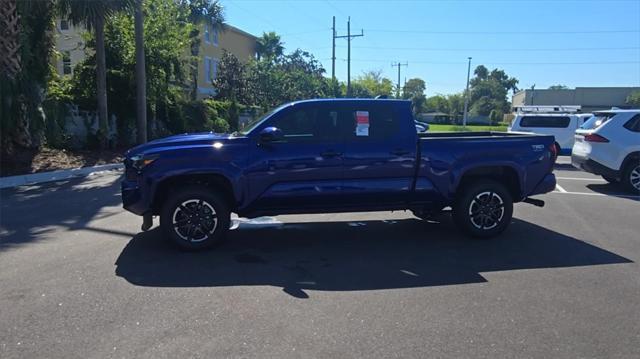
x=554, y=151
x=594, y=137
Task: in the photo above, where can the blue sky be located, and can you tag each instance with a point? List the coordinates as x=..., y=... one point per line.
x=575, y=43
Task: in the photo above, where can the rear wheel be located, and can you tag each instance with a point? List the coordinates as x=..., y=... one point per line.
x=195, y=218
x=631, y=177
x=484, y=209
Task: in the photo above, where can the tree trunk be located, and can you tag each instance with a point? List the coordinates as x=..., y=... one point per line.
x=101, y=80
x=141, y=77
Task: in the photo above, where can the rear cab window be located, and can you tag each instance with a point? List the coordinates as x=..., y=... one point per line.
x=545, y=121
x=371, y=123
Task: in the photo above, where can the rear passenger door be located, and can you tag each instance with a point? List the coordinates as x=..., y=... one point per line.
x=379, y=158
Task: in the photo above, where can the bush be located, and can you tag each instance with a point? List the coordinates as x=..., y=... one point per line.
x=495, y=116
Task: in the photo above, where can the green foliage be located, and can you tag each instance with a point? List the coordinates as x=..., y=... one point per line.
x=371, y=84
x=414, y=90
x=633, y=99
x=495, y=116
x=489, y=90
x=269, y=47
x=558, y=87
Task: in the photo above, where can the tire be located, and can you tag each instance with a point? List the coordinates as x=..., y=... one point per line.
x=473, y=199
x=611, y=180
x=631, y=177
x=195, y=218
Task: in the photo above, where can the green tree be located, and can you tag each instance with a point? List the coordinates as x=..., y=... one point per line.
x=558, y=87
x=269, y=46
x=25, y=44
x=414, y=90
x=93, y=14
x=167, y=29
x=633, y=99
x=489, y=90
x=231, y=82
x=374, y=83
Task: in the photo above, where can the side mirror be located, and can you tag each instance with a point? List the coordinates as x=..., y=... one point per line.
x=271, y=134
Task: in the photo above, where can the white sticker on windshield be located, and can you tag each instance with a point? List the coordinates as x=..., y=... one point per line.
x=362, y=123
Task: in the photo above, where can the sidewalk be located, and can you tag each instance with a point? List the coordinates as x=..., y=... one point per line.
x=35, y=178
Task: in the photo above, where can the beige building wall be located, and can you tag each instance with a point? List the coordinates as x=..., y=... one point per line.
x=590, y=98
x=212, y=46
x=70, y=47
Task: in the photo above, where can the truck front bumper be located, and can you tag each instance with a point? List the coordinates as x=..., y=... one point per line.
x=132, y=199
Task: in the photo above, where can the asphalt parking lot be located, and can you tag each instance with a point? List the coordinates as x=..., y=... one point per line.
x=77, y=279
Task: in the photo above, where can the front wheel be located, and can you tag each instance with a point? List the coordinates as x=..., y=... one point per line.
x=484, y=209
x=195, y=218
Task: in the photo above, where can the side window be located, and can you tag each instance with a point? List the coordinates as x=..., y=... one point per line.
x=299, y=125
x=633, y=124
x=545, y=121
x=373, y=123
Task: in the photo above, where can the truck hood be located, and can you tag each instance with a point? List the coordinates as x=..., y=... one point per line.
x=183, y=140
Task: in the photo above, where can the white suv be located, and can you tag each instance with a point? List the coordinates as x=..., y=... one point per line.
x=561, y=126
x=608, y=144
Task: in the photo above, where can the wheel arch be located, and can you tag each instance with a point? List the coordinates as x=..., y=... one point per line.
x=504, y=174
x=215, y=181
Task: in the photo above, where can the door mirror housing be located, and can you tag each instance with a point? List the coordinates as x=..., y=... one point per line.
x=271, y=134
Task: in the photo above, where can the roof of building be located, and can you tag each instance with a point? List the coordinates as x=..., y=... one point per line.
x=233, y=28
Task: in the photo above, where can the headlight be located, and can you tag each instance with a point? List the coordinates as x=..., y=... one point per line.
x=141, y=161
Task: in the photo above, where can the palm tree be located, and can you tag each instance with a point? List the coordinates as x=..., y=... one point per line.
x=269, y=46
x=141, y=76
x=25, y=40
x=93, y=14
x=205, y=12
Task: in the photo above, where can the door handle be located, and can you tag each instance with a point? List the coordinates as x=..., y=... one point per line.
x=331, y=153
x=399, y=152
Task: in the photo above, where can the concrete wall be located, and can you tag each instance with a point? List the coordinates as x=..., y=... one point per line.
x=590, y=98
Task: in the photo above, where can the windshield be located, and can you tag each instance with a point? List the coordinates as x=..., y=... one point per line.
x=251, y=125
x=597, y=120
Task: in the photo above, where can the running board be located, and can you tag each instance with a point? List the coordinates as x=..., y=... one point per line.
x=533, y=201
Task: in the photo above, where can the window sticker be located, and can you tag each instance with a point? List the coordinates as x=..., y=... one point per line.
x=362, y=123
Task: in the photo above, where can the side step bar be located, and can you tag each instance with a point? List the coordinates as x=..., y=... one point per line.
x=533, y=201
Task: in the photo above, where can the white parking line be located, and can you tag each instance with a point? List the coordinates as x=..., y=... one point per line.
x=560, y=189
x=597, y=194
x=581, y=179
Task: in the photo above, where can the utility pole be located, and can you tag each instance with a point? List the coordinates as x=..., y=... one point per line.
x=333, y=51
x=466, y=95
x=348, y=37
x=398, y=64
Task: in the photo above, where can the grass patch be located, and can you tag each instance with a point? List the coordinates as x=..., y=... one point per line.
x=472, y=128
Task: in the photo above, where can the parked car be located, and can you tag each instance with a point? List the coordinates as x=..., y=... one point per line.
x=333, y=155
x=560, y=125
x=609, y=145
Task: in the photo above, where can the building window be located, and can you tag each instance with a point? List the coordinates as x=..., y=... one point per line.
x=214, y=69
x=66, y=63
x=64, y=25
x=215, y=36
x=207, y=34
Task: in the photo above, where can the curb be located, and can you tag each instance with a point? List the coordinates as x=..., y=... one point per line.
x=35, y=178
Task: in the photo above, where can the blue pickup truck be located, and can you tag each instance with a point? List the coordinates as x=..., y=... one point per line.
x=334, y=155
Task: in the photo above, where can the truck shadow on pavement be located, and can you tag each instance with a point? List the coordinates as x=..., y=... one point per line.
x=352, y=256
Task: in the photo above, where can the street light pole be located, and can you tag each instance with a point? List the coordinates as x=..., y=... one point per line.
x=466, y=95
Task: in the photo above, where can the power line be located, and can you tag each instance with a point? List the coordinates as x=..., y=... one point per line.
x=504, y=32
x=510, y=63
x=498, y=50
x=348, y=37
